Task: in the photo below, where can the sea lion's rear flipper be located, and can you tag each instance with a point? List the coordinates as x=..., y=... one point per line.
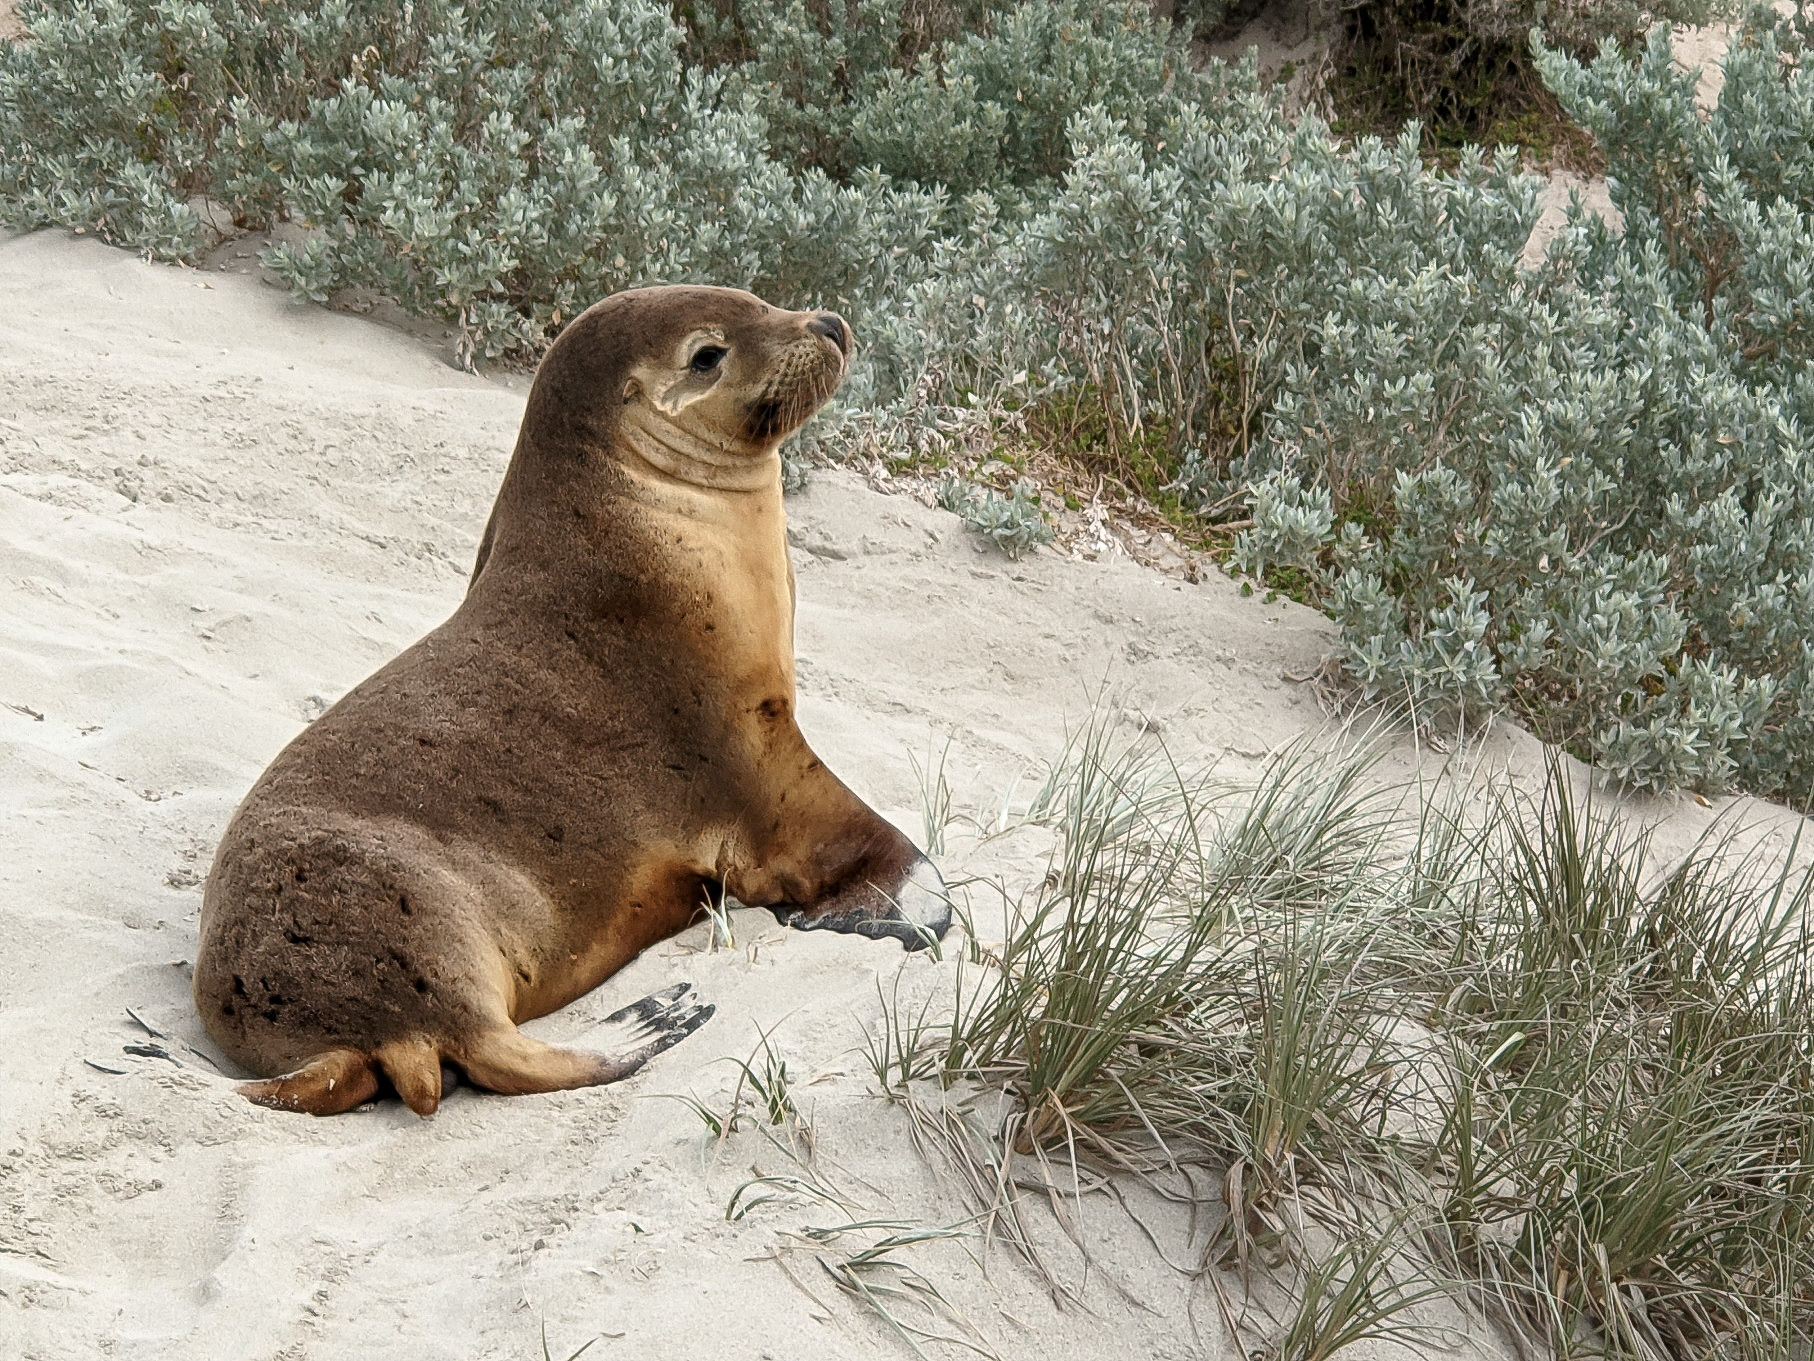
x=507, y=1061
x=501, y=1059
x=335, y=1082
x=329, y=1084
x=414, y=1068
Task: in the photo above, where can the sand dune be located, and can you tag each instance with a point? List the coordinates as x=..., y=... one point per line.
x=218, y=511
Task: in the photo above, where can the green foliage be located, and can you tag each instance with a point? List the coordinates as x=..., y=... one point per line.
x=1635, y=1088
x=1583, y=490
x=769, y=1099
x=499, y=165
x=996, y=110
x=803, y=65
x=1609, y=514
x=1013, y=523
x=1463, y=67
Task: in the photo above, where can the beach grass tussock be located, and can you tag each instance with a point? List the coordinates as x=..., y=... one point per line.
x=1399, y=1046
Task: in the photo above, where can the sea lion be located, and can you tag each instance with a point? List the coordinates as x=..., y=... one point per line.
x=600, y=739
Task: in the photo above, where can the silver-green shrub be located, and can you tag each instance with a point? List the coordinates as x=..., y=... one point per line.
x=1013, y=523
x=1581, y=489
x=994, y=110
x=499, y=165
x=1587, y=489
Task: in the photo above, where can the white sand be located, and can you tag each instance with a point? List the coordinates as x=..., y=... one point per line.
x=219, y=510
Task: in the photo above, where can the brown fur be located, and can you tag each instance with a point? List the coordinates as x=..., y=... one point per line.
x=554, y=779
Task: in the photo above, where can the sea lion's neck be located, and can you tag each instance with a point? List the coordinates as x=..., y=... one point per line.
x=665, y=447
x=724, y=563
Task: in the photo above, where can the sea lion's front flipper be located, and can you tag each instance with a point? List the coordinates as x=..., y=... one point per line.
x=821, y=859
x=916, y=911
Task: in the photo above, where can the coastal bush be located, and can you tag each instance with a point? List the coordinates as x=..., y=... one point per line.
x=1581, y=489
x=499, y=166
x=1013, y=523
x=1463, y=67
x=1608, y=517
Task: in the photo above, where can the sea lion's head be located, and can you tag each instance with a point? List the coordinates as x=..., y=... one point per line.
x=702, y=384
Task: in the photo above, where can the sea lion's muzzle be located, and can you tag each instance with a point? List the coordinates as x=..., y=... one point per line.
x=800, y=379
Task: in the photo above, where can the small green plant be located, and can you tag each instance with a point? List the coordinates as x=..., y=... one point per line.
x=772, y=1090
x=1362, y=1291
x=902, y=1049
x=863, y=1259
x=762, y=1096
x=718, y=918
x=935, y=797
x=954, y=494
x=720, y=1125
x=777, y=1188
x=1013, y=523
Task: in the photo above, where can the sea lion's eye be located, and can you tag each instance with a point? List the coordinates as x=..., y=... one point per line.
x=707, y=358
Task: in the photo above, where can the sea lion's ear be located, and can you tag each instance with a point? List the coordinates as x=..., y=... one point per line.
x=632, y=389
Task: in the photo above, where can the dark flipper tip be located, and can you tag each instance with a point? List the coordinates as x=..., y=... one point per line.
x=917, y=914
x=645, y=1009
x=664, y=1032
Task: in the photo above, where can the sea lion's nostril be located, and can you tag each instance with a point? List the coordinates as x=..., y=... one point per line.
x=831, y=326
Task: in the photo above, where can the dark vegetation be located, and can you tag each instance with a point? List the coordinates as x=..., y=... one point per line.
x=1578, y=486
